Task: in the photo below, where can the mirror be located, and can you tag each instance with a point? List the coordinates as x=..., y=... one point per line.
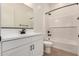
x=16, y=15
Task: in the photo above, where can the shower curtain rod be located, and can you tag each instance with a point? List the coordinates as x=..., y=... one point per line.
x=61, y=7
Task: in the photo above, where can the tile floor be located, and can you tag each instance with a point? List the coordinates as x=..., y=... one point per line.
x=58, y=52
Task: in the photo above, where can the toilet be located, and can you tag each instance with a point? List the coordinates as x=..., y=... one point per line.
x=48, y=46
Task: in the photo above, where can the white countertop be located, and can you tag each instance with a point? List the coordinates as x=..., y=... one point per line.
x=10, y=35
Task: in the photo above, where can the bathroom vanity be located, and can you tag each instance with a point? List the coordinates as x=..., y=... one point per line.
x=30, y=44
x=14, y=43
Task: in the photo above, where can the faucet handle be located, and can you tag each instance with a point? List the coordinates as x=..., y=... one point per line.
x=23, y=31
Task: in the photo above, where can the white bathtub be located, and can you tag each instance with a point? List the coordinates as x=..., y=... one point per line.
x=65, y=38
x=65, y=45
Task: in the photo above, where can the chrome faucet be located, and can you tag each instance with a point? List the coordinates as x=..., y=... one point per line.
x=23, y=31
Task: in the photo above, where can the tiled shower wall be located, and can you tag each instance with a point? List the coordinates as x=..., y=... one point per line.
x=64, y=38
x=63, y=25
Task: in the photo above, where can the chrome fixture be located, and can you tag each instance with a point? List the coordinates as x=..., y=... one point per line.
x=23, y=31
x=49, y=13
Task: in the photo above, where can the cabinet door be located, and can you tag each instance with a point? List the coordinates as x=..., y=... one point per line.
x=37, y=48
x=7, y=15
x=19, y=51
x=34, y=48
x=13, y=44
x=16, y=43
x=25, y=50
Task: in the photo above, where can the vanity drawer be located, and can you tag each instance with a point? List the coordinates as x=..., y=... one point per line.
x=8, y=45
x=14, y=43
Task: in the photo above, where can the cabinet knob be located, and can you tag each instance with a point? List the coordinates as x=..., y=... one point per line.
x=33, y=47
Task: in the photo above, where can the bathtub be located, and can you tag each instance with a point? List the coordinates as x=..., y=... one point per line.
x=65, y=45
x=64, y=38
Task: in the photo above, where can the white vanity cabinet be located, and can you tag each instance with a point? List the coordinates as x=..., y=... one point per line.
x=30, y=46
x=19, y=51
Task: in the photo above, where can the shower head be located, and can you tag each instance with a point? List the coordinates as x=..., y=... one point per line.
x=48, y=13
